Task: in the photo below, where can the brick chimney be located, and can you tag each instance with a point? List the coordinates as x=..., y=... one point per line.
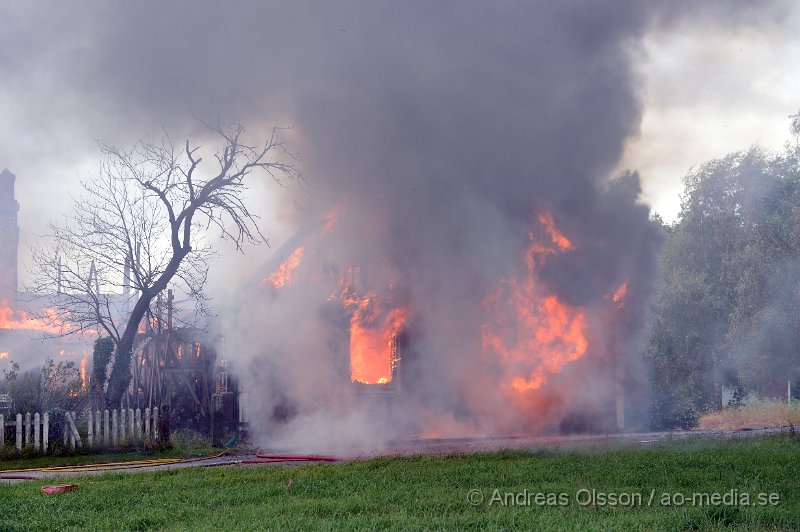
x=9, y=239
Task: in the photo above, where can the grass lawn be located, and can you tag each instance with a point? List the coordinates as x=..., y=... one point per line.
x=432, y=492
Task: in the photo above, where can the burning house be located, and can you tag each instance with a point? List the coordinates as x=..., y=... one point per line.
x=474, y=248
x=524, y=358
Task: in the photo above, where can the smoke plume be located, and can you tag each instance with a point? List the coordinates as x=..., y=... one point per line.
x=459, y=201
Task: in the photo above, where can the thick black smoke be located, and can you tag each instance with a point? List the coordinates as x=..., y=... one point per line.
x=445, y=128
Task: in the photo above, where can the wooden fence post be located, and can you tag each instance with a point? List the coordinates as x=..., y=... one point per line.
x=147, y=423
x=105, y=428
x=91, y=427
x=156, y=434
x=36, y=433
x=19, y=432
x=131, y=426
x=98, y=427
x=2, y=431
x=121, y=424
x=27, y=428
x=46, y=433
x=74, y=435
x=114, y=427
x=138, y=425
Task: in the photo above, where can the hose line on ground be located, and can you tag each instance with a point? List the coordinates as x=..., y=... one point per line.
x=111, y=466
x=292, y=457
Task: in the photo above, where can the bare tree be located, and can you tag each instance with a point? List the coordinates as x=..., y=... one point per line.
x=143, y=224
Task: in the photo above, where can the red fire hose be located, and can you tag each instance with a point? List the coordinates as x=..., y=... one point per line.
x=296, y=457
x=259, y=461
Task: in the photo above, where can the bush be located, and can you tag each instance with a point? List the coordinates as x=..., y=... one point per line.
x=674, y=411
x=43, y=389
x=188, y=439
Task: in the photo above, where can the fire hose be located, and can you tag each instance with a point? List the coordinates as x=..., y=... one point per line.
x=309, y=457
x=13, y=474
x=109, y=466
x=275, y=458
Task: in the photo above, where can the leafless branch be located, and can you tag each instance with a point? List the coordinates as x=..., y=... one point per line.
x=140, y=226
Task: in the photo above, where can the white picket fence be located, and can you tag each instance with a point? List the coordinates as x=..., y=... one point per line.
x=105, y=429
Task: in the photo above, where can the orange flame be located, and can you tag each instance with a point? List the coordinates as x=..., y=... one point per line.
x=153, y=322
x=19, y=319
x=549, y=226
x=534, y=333
x=619, y=295
x=332, y=216
x=283, y=275
x=3, y=354
x=373, y=333
x=84, y=365
x=373, y=337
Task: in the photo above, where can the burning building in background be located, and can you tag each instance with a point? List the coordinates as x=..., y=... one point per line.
x=184, y=368
x=178, y=367
x=30, y=331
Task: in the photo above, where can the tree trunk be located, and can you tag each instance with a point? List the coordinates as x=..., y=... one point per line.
x=121, y=370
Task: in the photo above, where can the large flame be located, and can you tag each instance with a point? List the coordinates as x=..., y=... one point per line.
x=373, y=337
x=373, y=333
x=19, y=319
x=531, y=332
x=283, y=275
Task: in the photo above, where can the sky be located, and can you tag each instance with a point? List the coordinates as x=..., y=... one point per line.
x=77, y=72
x=709, y=91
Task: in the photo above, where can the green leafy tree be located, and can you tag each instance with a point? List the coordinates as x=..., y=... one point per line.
x=727, y=312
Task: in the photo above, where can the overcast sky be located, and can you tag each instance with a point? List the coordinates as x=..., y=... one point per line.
x=73, y=72
x=709, y=91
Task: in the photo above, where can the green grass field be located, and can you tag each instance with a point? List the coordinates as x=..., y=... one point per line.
x=429, y=492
